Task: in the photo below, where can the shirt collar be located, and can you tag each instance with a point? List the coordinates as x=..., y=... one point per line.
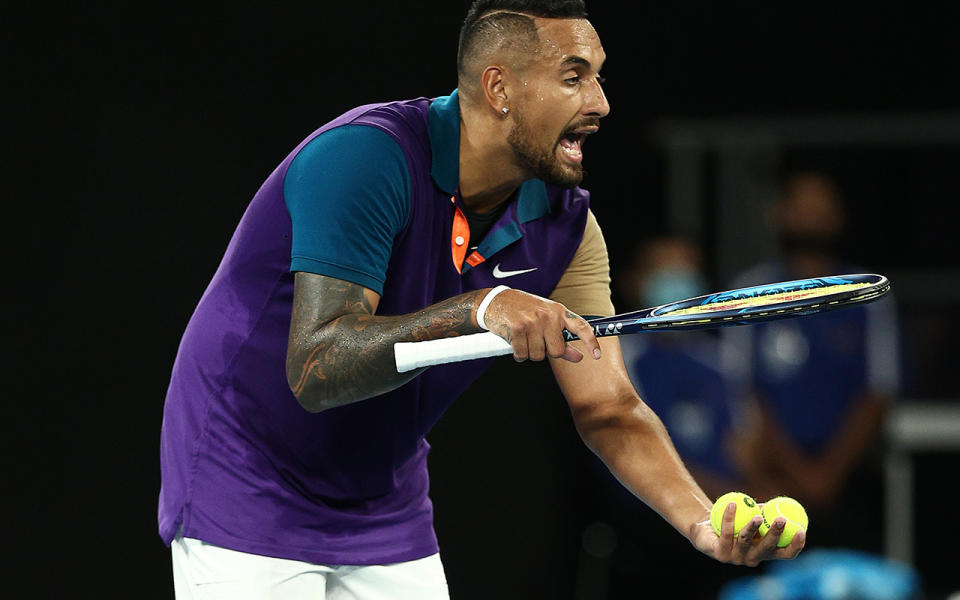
x=443, y=127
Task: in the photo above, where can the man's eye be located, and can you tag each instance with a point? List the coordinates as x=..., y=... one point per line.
x=573, y=80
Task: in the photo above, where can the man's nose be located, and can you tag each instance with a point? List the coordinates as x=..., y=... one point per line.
x=596, y=101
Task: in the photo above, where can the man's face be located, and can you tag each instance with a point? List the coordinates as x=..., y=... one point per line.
x=810, y=217
x=560, y=101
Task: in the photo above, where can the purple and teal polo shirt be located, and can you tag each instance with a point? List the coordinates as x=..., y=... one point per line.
x=371, y=198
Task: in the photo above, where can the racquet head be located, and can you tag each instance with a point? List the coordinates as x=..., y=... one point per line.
x=768, y=302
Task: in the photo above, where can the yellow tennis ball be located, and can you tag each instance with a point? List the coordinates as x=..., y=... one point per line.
x=791, y=510
x=747, y=509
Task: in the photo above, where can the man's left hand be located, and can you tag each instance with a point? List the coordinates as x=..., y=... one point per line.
x=747, y=548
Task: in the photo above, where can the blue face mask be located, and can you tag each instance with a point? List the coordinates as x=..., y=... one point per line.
x=672, y=284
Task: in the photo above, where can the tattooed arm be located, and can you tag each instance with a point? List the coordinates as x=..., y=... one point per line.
x=339, y=351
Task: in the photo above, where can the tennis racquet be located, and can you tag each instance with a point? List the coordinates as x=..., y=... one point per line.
x=735, y=307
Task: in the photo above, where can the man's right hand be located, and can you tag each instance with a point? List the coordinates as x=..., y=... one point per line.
x=534, y=327
x=340, y=351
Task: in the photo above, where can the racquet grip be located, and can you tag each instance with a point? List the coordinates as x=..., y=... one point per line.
x=414, y=355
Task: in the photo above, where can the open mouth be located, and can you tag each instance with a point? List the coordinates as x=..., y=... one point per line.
x=572, y=146
x=571, y=142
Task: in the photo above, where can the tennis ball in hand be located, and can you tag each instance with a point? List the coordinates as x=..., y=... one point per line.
x=747, y=509
x=791, y=510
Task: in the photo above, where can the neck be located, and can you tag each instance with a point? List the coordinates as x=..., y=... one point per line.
x=488, y=175
x=805, y=266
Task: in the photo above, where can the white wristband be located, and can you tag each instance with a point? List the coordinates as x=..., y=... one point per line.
x=485, y=303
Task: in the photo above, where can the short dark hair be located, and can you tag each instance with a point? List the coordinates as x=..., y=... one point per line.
x=480, y=22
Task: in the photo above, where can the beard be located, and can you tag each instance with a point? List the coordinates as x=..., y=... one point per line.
x=542, y=161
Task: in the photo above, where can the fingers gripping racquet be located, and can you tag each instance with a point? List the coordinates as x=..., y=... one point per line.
x=734, y=307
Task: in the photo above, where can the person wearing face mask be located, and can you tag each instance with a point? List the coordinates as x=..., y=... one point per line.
x=677, y=371
x=678, y=375
x=818, y=385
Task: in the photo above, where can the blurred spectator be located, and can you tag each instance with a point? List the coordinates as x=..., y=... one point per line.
x=676, y=372
x=818, y=384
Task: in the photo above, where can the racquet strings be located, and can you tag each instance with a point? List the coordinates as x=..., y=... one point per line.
x=765, y=299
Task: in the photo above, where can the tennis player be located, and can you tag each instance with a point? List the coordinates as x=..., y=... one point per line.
x=293, y=455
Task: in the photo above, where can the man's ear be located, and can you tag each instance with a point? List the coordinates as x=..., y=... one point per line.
x=493, y=85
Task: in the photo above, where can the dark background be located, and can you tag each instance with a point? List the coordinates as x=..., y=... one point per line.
x=166, y=120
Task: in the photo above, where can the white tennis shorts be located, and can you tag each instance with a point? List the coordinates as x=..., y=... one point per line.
x=202, y=571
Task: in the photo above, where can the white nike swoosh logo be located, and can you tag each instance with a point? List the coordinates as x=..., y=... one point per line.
x=501, y=274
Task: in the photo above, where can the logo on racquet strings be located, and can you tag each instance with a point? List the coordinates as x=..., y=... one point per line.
x=775, y=289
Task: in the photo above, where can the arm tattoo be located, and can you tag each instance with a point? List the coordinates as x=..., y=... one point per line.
x=340, y=352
